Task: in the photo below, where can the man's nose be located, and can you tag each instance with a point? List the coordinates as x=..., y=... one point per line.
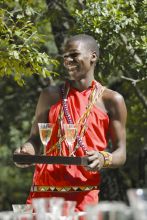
x=68, y=60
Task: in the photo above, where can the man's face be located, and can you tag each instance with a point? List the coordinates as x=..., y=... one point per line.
x=77, y=60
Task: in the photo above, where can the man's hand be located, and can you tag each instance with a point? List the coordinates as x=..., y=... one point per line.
x=25, y=149
x=96, y=161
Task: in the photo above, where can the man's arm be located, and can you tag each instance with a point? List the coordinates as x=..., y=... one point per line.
x=116, y=108
x=117, y=129
x=32, y=145
x=41, y=115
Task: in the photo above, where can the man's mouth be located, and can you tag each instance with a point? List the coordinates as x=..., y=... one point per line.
x=71, y=68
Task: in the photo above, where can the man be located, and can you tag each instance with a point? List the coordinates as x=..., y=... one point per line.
x=100, y=114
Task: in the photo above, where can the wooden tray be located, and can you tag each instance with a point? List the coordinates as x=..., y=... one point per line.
x=42, y=159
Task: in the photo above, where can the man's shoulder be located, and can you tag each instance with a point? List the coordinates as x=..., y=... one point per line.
x=51, y=94
x=51, y=90
x=112, y=96
x=113, y=101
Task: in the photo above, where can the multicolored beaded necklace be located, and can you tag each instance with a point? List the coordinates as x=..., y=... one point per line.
x=96, y=93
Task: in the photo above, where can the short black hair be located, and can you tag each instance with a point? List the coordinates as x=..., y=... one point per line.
x=89, y=40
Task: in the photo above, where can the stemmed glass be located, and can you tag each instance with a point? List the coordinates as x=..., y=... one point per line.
x=70, y=131
x=108, y=211
x=45, y=131
x=138, y=202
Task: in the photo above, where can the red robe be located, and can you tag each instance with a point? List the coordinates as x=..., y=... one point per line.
x=72, y=175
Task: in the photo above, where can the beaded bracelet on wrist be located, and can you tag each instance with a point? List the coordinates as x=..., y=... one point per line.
x=107, y=159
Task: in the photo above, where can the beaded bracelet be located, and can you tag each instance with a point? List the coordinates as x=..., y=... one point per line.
x=107, y=159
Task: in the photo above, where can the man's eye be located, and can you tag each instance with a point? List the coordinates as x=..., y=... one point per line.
x=64, y=57
x=74, y=54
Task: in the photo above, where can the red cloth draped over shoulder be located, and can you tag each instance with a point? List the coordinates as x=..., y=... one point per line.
x=94, y=139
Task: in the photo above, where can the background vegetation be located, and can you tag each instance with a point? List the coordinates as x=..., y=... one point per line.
x=32, y=34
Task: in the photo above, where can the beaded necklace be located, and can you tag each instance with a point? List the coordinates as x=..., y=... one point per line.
x=96, y=93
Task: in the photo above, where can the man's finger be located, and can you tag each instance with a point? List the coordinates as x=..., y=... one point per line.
x=89, y=153
x=94, y=164
x=93, y=157
x=23, y=165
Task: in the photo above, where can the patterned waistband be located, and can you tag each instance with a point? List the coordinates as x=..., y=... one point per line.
x=62, y=189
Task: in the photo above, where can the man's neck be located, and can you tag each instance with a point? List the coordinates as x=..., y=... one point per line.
x=82, y=84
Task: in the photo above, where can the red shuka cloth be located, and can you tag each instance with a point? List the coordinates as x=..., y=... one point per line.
x=71, y=175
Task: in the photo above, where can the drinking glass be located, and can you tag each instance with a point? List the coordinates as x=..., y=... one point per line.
x=41, y=208
x=23, y=216
x=48, y=208
x=69, y=208
x=80, y=216
x=22, y=208
x=61, y=209
x=56, y=206
x=7, y=215
x=70, y=131
x=107, y=211
x=138, y=202
x=40, y=205
x=45, y=131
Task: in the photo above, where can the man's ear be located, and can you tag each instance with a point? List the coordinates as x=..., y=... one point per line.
x=93, y=57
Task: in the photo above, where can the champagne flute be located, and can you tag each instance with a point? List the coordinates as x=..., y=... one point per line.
x=45, y=131
x=70, y=131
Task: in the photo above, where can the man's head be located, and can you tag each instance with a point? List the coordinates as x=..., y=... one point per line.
x=87, y=40
x=80, y=55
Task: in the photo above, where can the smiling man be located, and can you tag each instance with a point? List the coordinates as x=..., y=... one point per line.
x=99, y=115
x=79, y=55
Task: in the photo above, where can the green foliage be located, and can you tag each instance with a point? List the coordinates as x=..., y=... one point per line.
x=120, y=29
x=15, y=183
x=17, y=107
x=21, y=41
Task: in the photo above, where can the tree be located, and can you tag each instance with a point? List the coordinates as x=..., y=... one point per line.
x=120, y=29
x=26, y=49
x=21, y=40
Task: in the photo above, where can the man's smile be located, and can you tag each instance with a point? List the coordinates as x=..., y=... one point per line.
x=71, y=68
